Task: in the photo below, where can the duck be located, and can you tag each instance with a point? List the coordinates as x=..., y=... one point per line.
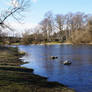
x=67, y=62
x=54, y=57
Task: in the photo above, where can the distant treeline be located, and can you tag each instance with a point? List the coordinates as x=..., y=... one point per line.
x=73, y=27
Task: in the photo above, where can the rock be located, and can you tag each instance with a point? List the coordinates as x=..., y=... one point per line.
x=54, y=57
x=67, y=62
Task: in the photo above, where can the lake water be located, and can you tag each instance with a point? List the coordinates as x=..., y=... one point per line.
x=78, y=75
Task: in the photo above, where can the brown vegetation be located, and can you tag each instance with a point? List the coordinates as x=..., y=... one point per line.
x=76, y=28
x=81, y=37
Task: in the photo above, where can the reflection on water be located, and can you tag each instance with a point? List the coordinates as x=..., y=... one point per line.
x=78, y=75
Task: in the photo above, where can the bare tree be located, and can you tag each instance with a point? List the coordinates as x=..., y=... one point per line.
x=68, y=23
x=47, y=25
x=78, y=20
x=26, y=38
x=89, y=27
x=44, y=29
x=59, y=24
x=15, y=10
x=75, y=22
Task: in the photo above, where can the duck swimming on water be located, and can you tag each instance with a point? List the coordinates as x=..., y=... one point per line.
x=67, y=62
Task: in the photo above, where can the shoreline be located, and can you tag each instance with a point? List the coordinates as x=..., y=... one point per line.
x=64, y=44
x=15, y=77
x=55, y=43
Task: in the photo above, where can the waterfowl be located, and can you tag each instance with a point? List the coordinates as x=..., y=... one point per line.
x=67, y=62
x=54, y=57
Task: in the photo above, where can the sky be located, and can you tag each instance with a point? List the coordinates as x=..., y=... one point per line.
x=39, y=7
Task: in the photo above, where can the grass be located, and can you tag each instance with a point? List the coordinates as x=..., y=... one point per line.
x=52, y=43
x=10, y=56
x=16, y=81
x=15, y=43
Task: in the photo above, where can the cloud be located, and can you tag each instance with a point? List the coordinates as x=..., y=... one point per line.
x=20, y=28
x=15, y=3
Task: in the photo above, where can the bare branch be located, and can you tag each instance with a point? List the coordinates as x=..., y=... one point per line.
x=15, y=10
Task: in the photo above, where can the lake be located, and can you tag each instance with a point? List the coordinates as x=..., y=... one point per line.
x=78, y=75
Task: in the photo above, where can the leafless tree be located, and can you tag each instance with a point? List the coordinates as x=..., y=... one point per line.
x=68, y=23
x=15, y=10
x=79, y=20
x=59, y=24
x=44, y=29
x=47, y=25
x=74, y=22
x=89, y=27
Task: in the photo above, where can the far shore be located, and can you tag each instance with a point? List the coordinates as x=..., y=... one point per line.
x=53, y=43
x=65, y=43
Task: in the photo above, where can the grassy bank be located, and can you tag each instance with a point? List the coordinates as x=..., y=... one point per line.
x=10, y=56
x=14, y=78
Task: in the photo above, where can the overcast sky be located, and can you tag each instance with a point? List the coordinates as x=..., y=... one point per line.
x=39, y=7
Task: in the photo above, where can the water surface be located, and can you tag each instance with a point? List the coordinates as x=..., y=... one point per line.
x=78, y=75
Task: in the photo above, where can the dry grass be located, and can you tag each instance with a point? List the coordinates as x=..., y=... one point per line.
x=81, y=37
